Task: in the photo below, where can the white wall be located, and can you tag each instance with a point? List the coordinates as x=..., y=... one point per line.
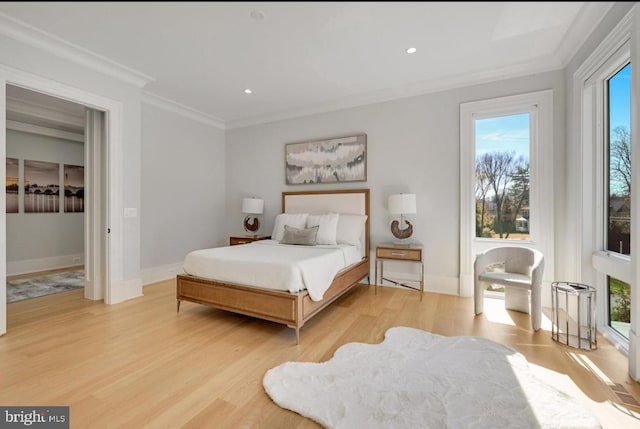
x=40, y=241
x=183, y=193
x=413, y=145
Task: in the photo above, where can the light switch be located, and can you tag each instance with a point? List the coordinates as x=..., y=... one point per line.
x=130, y=212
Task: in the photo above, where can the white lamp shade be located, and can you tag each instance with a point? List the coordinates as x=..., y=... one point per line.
x=253, y=205
x=402, y=204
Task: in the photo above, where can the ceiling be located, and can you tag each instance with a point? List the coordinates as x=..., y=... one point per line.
x=306, y=57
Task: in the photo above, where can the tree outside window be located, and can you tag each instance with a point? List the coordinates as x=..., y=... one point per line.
x=502, y=177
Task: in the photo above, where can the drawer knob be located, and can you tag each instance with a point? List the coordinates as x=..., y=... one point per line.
x=397, y=253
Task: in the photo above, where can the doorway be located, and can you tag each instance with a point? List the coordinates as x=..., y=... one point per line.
x=103, y=158
x=45, y=194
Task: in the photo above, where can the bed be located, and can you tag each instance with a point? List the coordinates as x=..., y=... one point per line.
x=290, y=307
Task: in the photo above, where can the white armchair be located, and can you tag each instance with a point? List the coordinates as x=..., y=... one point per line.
x=523, y=268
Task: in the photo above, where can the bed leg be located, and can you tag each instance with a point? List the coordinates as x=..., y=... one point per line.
x=369, y=280
x=178, y=307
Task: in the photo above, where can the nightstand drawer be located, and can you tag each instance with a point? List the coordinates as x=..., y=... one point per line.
x=234, y=240
x=401, y=254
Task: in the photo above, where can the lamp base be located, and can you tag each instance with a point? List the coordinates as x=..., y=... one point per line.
x=401, y=234
x=251, y=226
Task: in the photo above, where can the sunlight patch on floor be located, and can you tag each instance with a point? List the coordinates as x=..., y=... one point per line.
x=495, y=312
x=588, y=364
x=609, y=413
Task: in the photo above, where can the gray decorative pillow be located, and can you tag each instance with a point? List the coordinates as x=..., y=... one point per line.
x=301, y=236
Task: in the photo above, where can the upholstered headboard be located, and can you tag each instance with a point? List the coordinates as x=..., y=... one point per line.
x=348, y=201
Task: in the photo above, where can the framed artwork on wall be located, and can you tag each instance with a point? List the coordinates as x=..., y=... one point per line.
x=41, y=187
x=73, y=188
x=330, y=160
x=12, y=183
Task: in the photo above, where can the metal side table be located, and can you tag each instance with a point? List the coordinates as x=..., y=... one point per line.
x=573, y=315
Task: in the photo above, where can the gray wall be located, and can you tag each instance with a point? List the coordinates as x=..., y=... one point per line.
x=413, y=145
x=43, y=235
x=183, y=174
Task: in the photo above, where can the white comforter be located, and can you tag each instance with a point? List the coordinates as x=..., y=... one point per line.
x=269, y=264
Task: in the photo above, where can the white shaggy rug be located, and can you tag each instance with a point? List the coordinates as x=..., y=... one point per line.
x=414, y=379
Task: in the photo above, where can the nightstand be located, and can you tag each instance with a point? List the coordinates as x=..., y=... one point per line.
x=399, y=252
x=245, y=239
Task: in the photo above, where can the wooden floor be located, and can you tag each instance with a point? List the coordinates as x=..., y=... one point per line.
x=139, y=364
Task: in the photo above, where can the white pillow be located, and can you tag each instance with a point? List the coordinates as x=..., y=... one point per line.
x=298, y=220
x=350, y=229
x=328, y=227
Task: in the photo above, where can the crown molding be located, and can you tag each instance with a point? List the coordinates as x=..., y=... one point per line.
x=36, y=110
x=30, y=35
x=182, y=110
x=44, y=131
x=540, y=65
x=616, y=38
x=588, y=19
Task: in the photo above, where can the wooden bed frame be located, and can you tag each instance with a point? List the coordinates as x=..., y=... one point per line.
x=291, y=309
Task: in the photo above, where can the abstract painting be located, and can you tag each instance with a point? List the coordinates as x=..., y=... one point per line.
x=330, y=160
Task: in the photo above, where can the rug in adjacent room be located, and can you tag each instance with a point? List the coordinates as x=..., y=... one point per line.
x=415, y=379
x=18, y=290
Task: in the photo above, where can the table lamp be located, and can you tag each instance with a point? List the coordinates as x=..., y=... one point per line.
x=402, y=204
x=251, y=206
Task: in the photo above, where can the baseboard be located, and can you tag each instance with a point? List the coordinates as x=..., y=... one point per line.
x=44, y=264
x=161, y=273
x=123, y=290
x=436, y=284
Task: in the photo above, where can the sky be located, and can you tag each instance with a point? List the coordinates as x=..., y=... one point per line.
x=41, y=173
x=503, y=134
x=620, y=98
x=75, y=174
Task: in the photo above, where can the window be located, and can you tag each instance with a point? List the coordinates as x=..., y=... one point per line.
x=618, y=139
x=606, y=199
x=502, y=177
x=617, y=144
x=619, y=306
x=506, y=178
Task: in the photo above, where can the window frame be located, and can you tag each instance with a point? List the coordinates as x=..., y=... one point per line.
x=595, y=119
x=595, y=262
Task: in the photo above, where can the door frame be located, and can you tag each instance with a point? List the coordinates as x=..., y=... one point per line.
x=96, y=237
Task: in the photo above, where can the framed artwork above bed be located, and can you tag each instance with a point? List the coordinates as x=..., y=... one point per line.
x=329, y=160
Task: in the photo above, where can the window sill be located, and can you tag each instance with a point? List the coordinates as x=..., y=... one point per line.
x=619, y=342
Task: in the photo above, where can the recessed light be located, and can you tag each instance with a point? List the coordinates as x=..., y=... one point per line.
x=248, y=91
x=411, y=50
